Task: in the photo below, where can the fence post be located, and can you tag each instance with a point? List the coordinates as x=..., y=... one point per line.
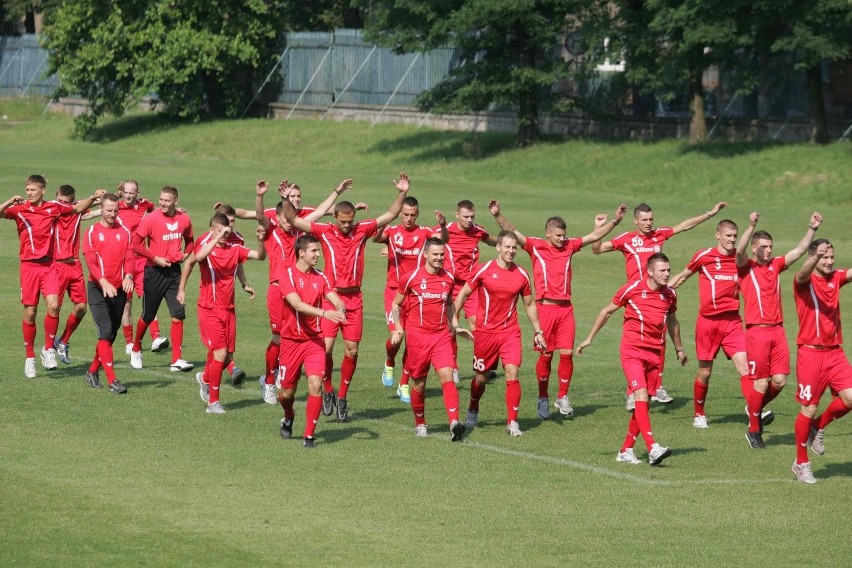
x=349, y=83
x=398, y=85
x=314, y=76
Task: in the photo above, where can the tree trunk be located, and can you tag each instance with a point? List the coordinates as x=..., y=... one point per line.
x=697, y=121
x=529, y=126
x=29, y=22
x=819, y=134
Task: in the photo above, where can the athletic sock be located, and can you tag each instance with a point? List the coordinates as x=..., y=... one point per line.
x=51, y=326
x=643, y=421
x=176, y=338
x=755, y=405
x=312, y=413
x=477, y=389
x=699, y=394
x=770, y=394
x=837, y=409
x=632, y=433
x=347, y=371
x=565, y=372
x=746, y=386
x=70, y=325
x=451, y=400
x=128, y=333
x=105, y=356
x=141, y=327
x=513, y=399
x=96, y=362
x=29, y=331
x=542, y=371
x=230, y=367
x=154, y=328
x=214, y=379
x=272, y=352
x=418, y=405
x=802, y=431
x=287, y=405
x=391, y=350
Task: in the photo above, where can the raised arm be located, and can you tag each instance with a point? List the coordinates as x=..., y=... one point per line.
x=673, y=326
x=802, y=247
x=742, y=244
x=83, y=204
x=260, y=190
x=393, y=212
x=693, y=222
x=494, y=208
x=600, y=321
x=290, y=214
x=14, y=200
x=604, y=227
x=260, y=252
x=442, y=222
x=804, y=275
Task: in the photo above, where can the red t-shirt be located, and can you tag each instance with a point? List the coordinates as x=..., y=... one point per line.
x=66, y=237
x=552, y=267
x=311, y=286
x=344, y=254
x=464, y=247
x=164, y=236
x=718, y=283
x=645, y=313
x=818, y=308
x=280, y=249
x=108, y=253
x=405, y=251
x=498, y=290
x=426, y=299
x=638, y=248
x=131, y=215
x=36, y=225
x=218, y=271
x=761, y=289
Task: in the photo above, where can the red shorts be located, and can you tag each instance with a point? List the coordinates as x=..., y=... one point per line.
x=428, y=348
x=37, y=278
x=487, y=347
x=470, y=304
x=353, y=327
x=295, y=354
x=70, y=279
x=768, y=352
x=641, y=366
x=275, y=306
x=139, y=276
x=725, y=331
x=218, y=328
x=818, y=369
x=557, y=323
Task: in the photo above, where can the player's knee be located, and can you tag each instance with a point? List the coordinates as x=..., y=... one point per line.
x=220, y=354
x=80, y=310
x=178, y=315
x=566, y=353
x=779, y=382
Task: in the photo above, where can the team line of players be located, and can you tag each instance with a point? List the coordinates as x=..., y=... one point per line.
x=433, y=274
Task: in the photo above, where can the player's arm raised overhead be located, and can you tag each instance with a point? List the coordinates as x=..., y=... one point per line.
x=260, y=190
x=604, y=227
x=693, y=222
x=83, y=204
x=260, y=252
x=804, y=274
x=600, y=321
x=673, y=326
x=494, y=208
x=442, y=223
x=742, y=244
x=402, y=185
x=802, y=247
x=292, y=217
x=324, y=207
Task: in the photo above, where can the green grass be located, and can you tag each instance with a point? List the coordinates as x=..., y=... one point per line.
x=87, y=478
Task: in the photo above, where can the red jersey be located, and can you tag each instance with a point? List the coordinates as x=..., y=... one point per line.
x=36, y=224
x=405, y=251
x=465, y=250
x=108, y=253
x=645, y=313
x=218, y=271
x=311, y=286
x=638, y=248
x=426, y=299
x=280, y=249
x=499, y=289
x=66, y=237
x=272, y=214
x=552, y=267
x=818, y=308
x=718, y=283
x=344, y=254
x=164, y=236
x=131, y=215
x=761, y=289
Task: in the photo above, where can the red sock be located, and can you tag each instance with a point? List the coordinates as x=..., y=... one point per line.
x=643, y=421
x=29, y=330
x=329, y=366
x=451, y=400
x=347, y=371
x=632, y=433
x=70, y=325
x=837, y=409
x=176, y=339
x=272, y=352
x=391, y=351
x=565, y=372
x=128, y=333
x=770, y=394
x=802, y=430
x=746, y=386
x=542, y=371
x=755, y=405
x=513, y=399
x=312, y=413
x=105, y=356
x=406, y=374
x=141, y=327
x=96, y=362
x=477, y=389
x=699, y=394
x=214, y=378
x=154, y=328
x=287, y=405
x=418, y=405
x=51, y=327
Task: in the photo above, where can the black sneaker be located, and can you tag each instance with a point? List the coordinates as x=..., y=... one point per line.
x=767, y=417
x=755, y=440
x=93, y=379
x=286, y=429
x=238, y=377
x=342, y=413
x=492, y=374
x=309, y=442
x=457, y=429
x=329, y=400
x=117, y=387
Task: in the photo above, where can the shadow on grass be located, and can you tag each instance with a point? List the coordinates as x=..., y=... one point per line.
x=133, y=125
x=692, y=450
x=429, y=145
x=835, y=470
x=724, y=150
x=379, y=413
x=581, y=411
x=340, y=434
x=245, y=403
x=669, y=408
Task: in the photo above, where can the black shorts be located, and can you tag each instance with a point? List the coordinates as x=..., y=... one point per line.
x=161, y=283
x=106, y=312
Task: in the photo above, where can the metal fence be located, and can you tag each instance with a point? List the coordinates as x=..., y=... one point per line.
x=23, y=68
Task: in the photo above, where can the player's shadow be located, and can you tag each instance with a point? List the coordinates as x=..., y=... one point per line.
x=345, y=433
x=377, y=413
x=581, y=411
x=674, y=406
x=735, y=418
x=787, y=439
x=689, y=450
x=835, y=470
x=246, y=403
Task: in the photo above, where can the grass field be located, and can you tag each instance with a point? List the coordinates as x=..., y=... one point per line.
x=89, y=478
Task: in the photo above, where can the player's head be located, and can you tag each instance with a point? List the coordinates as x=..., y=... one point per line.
x=554, y=230
x=658, y=268
x=228, y=212
x=168, y=200
x=825, y=265
x=282, y=220
x=344, y=214
x=66, y=193
x=109, y=208
x=295, y=197
x=465, y=214
x=726, y=235
x=507, y=246
x=129, y=191
x=643, y=218
x=410, y=211
x=761, y=246
x=308, y=249
x=35, y=188
x=434, y=250
x=219, y=221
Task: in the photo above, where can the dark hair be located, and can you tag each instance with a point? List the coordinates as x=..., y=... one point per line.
x=465, y=204
x=170, y=189
x=432, y=242
x=509, y=234
x=758, y=235
x=303, y=242
x=555, y=223
x=220, y=219
x=344, y=207
x=411, y=201
x=726, y=223
x=35, y=178
x=642, y=208
x=655, y=258
x=66, y=191
x=815, y=244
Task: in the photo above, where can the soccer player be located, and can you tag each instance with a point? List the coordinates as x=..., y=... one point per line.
x=405, y=245
x=218, y=257
x=303, y=288
x=551, y=263
x=427, y=292
x=649, y=310
x=718, y=324
x=343, y=243
x=499, y=283
x=637, y=247
x=820, y=360
x=36, y=219
x=766, y=342
x=109, y=255
x=163, y=230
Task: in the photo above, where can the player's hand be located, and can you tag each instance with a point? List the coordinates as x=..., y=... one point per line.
x=466, y=333
x=250, y=291
x=753, y=218
x=619, y=213
x=582, y=346
x=816, y=220
x=440, y=218
x=396, y=336
x=682, y=358
x=127, y=285
x=217, y=205
x=361, y=206
x=261, y=187
x=162, y=262
x=343, y=186
x=17, y=199
x=260, y=231
x=108, y=289
x=284, y=189
x=181, y=296
x=337, y=316
x=718, y=207
x=494, y=207
x=538, y=339
x=600, y=220
x=403, y=184
x=821, y=250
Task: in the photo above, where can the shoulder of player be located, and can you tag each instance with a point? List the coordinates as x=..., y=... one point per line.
x=703, y=253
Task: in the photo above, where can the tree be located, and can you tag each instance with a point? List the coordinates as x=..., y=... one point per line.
x=13, y=13
x=508, y=51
